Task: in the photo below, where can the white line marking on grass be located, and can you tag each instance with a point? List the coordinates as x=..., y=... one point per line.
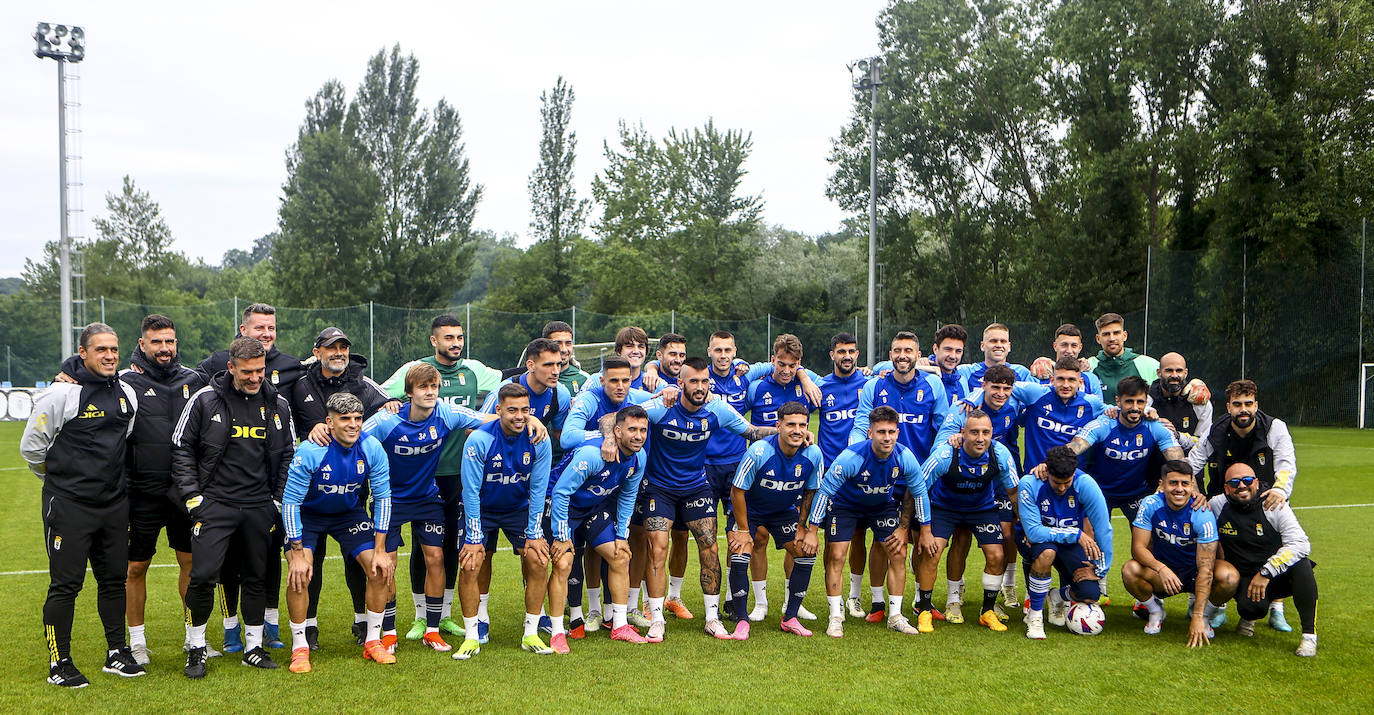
x=1327, y=446
x=153, y=566
x=1296, y=508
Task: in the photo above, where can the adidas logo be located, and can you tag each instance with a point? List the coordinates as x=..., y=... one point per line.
x=769, y=473
x=308, y=398
x=91, y=408
x=405, y=438
x=150, y=393
x=216, y=418
x=326, y=468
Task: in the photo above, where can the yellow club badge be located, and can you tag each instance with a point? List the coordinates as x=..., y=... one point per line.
x=362, y=466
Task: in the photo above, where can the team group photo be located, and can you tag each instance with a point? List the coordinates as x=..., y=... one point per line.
x=1069, y=412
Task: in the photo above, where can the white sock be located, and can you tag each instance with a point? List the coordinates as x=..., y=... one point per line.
x=954, y=590
x=1276, y=606
x=298, y=636
x=877, y=593
x=575, y=613
x=231, y=623
x=195, y=636
x=674, y=588
x=557, y=624
x=136, y=636
x=760, y=593
x=482, y=614
x=594, y=598
x=419, y=599
x=269, y=616
x=252, y=637
x=712, y=606
x=617, y=615
x=470, y=625
x=447, y=611
x=1154, y=606
x=531, y=624
x=312, y=622
x=894, y=606
x=856, y=584
x=542, y=612
x=1208, y=610
x=374, y=626
x=1309, y=637
x=655, y=609
x=360, y=618
x=1009, y=577
x=990, y=582
x=836, y=606
x=633, y=601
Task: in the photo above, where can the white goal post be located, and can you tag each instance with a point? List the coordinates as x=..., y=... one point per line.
x=1364, y=389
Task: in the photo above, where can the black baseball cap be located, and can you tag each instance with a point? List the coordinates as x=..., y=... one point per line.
x=329, y=336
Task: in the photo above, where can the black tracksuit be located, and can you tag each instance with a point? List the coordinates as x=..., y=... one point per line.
x=232, y=449
x=75, y=440
x=162, y=395
x=308, y=397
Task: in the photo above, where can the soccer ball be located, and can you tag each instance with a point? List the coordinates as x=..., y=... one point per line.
x=1042, y=368
x=1086, y=619
x=1196, y=392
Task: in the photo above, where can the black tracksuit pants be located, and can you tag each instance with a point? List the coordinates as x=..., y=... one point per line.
x=219, y=530
x=77, y=533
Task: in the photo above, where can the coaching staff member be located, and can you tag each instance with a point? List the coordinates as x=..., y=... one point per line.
x=230, y=452
x=75, y=442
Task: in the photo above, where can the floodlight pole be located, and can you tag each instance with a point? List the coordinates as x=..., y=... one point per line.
x=65, y=241
x=870, y=79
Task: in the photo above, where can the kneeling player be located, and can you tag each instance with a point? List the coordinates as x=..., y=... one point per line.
x=1268, y=549
x=501, y=469
x=590, y=508
x=776, y=473
x=1063, y=526
x=321, y=499
x=963, y=483
x=1174, y=550
x=860, y=491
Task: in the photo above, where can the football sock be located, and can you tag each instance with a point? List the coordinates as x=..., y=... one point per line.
x=420, y=604
x=655, y=609
x=269, y=616
x=712, y=606
x=739, y=592
x=836, y=605
x=231, y=623
x=594, y=598
x=531, y=624
x=617, y=615
x=434, y=607
x=482, y=614
x=894, y=605
x=252, y=637
x=991, y=585
x=374, y=626
x=298, y=636
x=674, y=588
x=797, y=584
x=1039, y=588
x=195, y=636
x=923, y=600
x=877, y=593
x=136, y=636
x=760, y=592
x=389, y=617
x=447, y=609
x=856, y=583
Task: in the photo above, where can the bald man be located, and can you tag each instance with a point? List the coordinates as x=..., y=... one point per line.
x=1187, y=413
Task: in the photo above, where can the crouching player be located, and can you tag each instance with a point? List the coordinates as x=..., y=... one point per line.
x=860, y=490
x=501, y=469
x=1269, y=550
x=963, y=483
x=1063, y=526
x=1174, y=550
x=591, y=507
x=321, y=498
x=775, y=475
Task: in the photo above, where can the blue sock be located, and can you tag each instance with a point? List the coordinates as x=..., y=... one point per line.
x=797, y=584
x=1038, y=588
x=739, y=585
x=434, y=607
x=575, y=580
x=389, y=617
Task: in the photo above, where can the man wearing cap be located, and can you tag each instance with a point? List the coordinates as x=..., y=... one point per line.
x=332, y=370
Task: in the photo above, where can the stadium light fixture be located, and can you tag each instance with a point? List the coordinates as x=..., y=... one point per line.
x=867, y=75
x=64, y=44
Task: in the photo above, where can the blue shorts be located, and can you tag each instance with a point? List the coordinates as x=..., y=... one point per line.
x=680, y=507
x=1006, y=508
x=512, y=523
x=1067, y=559
x=589, y=530
x=843, y=520
x=719, y=477
x=352, y=529
x=781, y=525
x=1127, y=507
x=1186, y=576
x=426, y=521
x=985, y=525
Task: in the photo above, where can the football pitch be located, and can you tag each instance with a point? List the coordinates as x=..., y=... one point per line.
x=961, y=668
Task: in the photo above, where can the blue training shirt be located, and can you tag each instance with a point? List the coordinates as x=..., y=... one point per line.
x=550, y=406
x=970, y=488
x=499, y=474
x=973, y=373
x=329, y=480
x=921, y=406
x=413, y=448
x=1048, y=518
x=588, y=484
x=1092, y=384
x=1050, y=421
x=859, y=480
x=774, y=483
x=1174, y=535
x=588, y=407
x=678, y=439
x=839, y=405
x=726, y=447
x=766, y=395
x=1121, y=455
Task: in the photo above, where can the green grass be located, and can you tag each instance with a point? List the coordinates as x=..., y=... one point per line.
x=958, y=668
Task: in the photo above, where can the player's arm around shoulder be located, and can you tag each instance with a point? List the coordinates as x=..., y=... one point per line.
x=51, y=411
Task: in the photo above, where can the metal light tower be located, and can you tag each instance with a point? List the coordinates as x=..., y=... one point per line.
x=65, y=45
x=868, y=76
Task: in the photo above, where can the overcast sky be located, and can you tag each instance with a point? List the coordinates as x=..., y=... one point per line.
x=198, y=102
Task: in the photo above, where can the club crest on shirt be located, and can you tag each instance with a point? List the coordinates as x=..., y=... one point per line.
x=1187, y=529
x=185, y=392
x=526, y=458
x=894, y=473
x=262, y=412
x=462, y=379
x=57, y=543
x=1080, y=411
x=433, y=432
x=798, y=470
x=1261, y=459
x=920, y=395
x=275, y=377
x=1259, y=529
x=1071, y=506
x=276, y=420
x=362, y=467
x=1140, y=440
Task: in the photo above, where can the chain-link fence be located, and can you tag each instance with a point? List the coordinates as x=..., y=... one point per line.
x=1295, y=330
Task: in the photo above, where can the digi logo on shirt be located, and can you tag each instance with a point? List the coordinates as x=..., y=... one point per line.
x=245, y=432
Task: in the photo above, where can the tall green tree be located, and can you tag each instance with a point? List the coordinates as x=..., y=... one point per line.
x=557, y=214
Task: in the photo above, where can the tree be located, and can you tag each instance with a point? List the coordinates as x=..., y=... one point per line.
x=558, y=215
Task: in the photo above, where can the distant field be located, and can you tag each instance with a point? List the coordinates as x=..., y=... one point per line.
x=957, y=669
